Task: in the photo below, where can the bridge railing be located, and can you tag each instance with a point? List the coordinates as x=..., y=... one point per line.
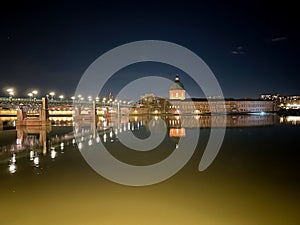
x=35, y=103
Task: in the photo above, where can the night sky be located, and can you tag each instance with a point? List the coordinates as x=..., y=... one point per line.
x=252, y=48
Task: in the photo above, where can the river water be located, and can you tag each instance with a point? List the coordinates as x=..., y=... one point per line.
x=254, y=179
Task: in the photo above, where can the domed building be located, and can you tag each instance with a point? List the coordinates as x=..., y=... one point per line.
x=177, y=90
x=179, y=104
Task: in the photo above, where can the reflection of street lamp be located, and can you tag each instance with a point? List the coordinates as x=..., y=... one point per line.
x=12, y=168
x=61, y=97
x=52, y=95
x=36, y=161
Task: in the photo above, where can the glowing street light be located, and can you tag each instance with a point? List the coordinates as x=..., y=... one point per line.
x=52, y=95
x=34, y=93
x=11, y=93
x=30, y=95
x=73, y=97
x=61, y=97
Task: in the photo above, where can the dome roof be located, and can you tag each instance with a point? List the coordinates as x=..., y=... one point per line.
x=177, y=85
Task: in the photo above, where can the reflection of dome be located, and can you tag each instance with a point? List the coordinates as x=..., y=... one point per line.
x=177, y=85
x=177, y=132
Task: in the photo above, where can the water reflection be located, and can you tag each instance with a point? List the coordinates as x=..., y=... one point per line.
x=12, y=164
x=7, y=122
x=53, y=153
x=61, y=120
x=205, y=121
x=294, y=120
x=36, y=142
x=32, y=143
x=256, y=172
x=177, y=132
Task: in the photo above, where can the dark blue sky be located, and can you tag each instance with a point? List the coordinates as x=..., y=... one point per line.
x=252, y=48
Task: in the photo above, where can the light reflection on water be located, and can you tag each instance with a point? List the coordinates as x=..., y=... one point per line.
x=254, y=179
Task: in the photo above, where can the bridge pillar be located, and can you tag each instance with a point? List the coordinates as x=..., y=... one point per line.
x=44, y=114
x=21, y=115
x=43, y=120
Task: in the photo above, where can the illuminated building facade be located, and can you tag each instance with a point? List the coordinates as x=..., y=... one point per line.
x=177, y=90
x=179, y=104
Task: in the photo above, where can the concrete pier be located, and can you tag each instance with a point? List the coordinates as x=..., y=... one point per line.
x=41, y=120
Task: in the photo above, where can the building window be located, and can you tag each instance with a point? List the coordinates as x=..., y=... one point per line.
x=176, y=94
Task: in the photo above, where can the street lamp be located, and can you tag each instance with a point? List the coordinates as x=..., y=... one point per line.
x=30, y=95
x=61, y=97
x=52, y=95
x=11, y=93
x=34, y=93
